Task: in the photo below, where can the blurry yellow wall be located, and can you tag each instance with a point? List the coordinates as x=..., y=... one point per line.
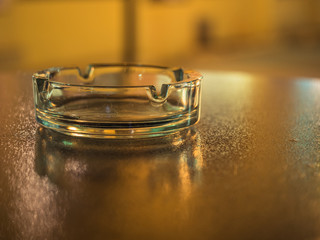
x=49, y=33
x=169, y=30
x=241, y=22
x=299, y=21
x=44, y=33
x=166, y=30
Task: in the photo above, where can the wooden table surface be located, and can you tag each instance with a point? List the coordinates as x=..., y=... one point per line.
x=249, y=170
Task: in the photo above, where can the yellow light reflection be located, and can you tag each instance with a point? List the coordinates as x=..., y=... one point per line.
x=184, y=176
x=72, y=128
x=191, y=164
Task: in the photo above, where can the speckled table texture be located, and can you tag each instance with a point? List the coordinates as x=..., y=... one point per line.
x=249, y=170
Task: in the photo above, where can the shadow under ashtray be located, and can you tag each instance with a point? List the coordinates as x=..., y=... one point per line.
x=66, y=160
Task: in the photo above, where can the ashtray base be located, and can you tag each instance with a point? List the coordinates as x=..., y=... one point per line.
x=109, y=130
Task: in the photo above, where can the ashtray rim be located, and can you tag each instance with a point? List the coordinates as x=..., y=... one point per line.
x=48, y=75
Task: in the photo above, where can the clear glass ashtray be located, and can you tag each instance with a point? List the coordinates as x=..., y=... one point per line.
x=117, y=101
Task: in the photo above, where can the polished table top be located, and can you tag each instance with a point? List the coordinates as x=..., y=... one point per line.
x=249, y=170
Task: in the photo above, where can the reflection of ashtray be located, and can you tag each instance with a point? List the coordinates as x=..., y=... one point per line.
x=66, y=159
x=117, y=101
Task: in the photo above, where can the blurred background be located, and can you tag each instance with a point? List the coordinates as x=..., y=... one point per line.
x=269, y=36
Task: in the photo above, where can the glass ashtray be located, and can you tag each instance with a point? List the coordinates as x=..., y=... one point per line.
x=117, y=100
